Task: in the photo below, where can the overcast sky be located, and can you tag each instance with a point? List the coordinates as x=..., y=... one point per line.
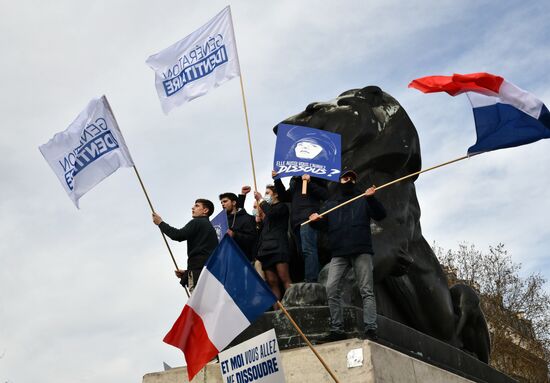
x=87, y=295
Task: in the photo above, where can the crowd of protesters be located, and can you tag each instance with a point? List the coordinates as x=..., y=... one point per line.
x=264, y=237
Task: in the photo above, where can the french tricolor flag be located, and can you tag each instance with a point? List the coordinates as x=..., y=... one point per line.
x=230, y=295
x=505, y=115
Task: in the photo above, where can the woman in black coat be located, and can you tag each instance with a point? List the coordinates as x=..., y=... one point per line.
x=273, y=247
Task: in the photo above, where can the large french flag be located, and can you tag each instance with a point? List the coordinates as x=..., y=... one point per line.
x=505, y=115
x=230, y=295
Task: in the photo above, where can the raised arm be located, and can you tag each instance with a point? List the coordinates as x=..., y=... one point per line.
x=175, y=234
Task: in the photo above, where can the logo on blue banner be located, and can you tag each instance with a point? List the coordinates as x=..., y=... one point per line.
x=300, y=150
x=220, y=224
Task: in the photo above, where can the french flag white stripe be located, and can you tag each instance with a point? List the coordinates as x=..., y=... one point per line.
x=512, y=95
x=479, y=100
x=222, y=318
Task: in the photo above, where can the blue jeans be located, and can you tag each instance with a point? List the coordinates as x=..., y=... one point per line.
x=306, y=238
x=362, y=266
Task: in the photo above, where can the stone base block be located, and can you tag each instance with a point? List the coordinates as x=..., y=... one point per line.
x=380, y=364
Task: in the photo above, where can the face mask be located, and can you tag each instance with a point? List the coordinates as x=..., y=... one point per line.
x=268, y=199
x=347, y=188
x=254, y=212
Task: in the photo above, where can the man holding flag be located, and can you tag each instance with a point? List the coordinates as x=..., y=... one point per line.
x=200, y=236
x=350, y=245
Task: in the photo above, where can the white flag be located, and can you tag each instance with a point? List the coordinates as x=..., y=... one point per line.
x=193, y=66
x=88, y=151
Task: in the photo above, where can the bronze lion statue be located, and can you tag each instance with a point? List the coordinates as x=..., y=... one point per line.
x=381, y=144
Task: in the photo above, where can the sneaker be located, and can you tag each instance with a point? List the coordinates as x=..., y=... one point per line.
x=371, y=335
x=333, y=336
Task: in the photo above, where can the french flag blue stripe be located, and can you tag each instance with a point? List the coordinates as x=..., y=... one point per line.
x=230, y=266
x=501, y=126
x=544, y=117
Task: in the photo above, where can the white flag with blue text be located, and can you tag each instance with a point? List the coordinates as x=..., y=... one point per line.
x=194, y=65
x=89, y=150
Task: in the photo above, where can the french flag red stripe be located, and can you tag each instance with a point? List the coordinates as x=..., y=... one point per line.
x=484, y=83
x=189, y=335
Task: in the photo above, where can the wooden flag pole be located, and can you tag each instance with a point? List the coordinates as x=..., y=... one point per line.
x=393, y=182
x=163, y=236
x=279, y=304
x=244, y=106
x=153, y=210
x=151, y=206
x=248, y=131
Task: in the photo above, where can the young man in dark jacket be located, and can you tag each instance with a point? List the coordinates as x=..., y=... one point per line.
x=351, y=246
x=302, y=206
x=200, y=236
x=242, y=226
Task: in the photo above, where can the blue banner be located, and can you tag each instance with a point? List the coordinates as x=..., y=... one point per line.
x=300, y=150
x=220, y=224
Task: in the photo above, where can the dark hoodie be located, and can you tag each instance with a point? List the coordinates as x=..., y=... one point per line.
x=349, y=226
x=244, y=232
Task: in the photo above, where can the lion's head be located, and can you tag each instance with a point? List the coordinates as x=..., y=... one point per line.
x=376, y=132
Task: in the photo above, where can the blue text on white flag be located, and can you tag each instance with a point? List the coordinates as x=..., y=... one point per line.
x=96, y=140
x=193, y=66
x=200, y=62
x=90, y=149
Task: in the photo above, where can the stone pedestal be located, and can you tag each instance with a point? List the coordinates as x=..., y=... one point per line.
x=380, y=364
x=313, y=320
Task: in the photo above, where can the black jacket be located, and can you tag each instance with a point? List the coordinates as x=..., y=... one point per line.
x=273, y=242
x=201, y=240
x=349, y=226
x=244, y=232
x=302, y=206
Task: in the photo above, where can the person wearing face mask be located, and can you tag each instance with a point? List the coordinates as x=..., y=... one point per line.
x=273, y=247
x=350, y=244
